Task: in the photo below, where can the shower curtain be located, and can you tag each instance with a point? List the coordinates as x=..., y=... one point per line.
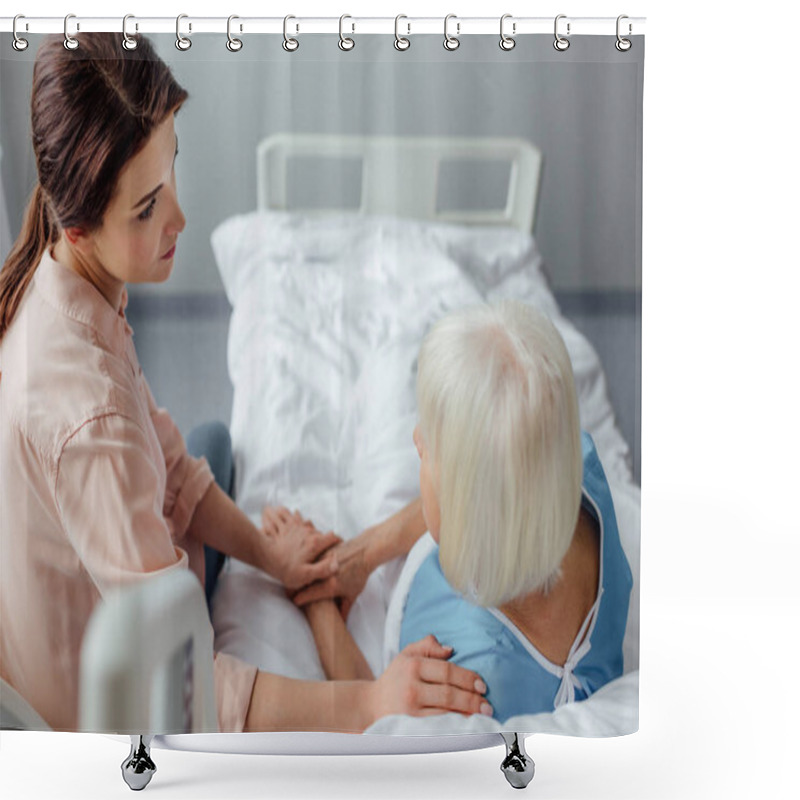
x=334, y=197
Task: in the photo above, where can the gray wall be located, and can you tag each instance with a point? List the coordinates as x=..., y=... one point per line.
x=582, y=108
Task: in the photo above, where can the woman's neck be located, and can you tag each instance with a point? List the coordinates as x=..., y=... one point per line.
x=551, y=621
x=106, y=284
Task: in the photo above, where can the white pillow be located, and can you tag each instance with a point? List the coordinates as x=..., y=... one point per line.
x=488, y=254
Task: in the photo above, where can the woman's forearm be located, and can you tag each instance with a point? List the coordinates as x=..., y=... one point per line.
x=341, y=657
x=287, y=704
x=221, y=524
x=288, y=548
x=395, y=536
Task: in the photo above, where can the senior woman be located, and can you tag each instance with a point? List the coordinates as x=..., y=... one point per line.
x=97, y=489
x=529, y=582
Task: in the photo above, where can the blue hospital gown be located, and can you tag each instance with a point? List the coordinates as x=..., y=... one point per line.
x=521, y=680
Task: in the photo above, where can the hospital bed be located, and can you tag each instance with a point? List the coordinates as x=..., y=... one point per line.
x=309, y=289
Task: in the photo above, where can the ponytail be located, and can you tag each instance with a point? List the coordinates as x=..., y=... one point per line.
x=39, y=231
x=131, y=92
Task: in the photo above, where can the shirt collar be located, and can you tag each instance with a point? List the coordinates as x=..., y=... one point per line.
x=79, y=299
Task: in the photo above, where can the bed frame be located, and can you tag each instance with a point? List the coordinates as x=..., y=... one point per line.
x=146, y=659
x=404, y=176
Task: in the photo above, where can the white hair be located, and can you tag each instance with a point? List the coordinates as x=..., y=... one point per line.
x=499, y=414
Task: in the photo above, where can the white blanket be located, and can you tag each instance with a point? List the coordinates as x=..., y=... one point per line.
x=328, y=316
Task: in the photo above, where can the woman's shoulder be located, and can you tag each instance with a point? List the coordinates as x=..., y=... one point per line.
x=605, y=657
x=433, y=606
x=597, y=499
x=596, y=492
x=481, y=641
x=591, y=458
x=56, y=374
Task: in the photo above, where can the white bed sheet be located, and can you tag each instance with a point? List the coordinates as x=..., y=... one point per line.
x=328, y=316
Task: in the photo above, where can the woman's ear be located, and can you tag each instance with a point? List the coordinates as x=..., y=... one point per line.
x=78, y=237
x=418, y=440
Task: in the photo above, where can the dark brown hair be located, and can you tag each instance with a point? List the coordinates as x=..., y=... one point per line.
x=92, y=110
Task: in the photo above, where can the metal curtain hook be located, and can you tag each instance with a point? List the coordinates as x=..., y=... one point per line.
x=345, y=43
x=19, y=44
x=182, y=42
x=233, y=44
x=69, y=42
x=400, y=42
x=451, y=42
x=128, y=42
x=289, y=44
x=623, y=45
x=507, y=42
x=561, y=43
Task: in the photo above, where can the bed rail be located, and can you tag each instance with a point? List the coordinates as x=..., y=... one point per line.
x=402, y=176
x=147, y=660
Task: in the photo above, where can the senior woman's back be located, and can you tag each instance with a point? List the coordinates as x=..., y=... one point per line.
x=530, y=584
x=521, y=679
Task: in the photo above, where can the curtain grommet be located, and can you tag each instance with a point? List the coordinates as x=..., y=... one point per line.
x=128, y=42
x=561, y=43
x=507, y=42
x=233, y=44
x=182, y=42
x=345, y=43
x=401, y=43
x=19, y=44
x=451, y=43
x=289, y=44
x=70, y=42
x=622, y=44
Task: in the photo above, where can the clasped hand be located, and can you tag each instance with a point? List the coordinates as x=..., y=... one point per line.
x=295, y=552
x=345, y=583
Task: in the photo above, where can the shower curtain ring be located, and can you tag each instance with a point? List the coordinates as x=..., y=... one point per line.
x=507, y=42
x=69, y=42
x=345, y=43
x=233, y=44
x=561, y=43
x=623, y=45
x=289, y=44
x=451, y=42
x=128, y=42
x=400, y=42
x=182, y=42
x=19, y=44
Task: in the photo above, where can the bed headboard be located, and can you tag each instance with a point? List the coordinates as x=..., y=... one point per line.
x=402, y=176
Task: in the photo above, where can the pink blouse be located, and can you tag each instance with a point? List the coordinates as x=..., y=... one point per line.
x=96, y=491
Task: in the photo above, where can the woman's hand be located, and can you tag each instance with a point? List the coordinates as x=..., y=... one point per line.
x=347, y=583
x=294, y=551
x=421, y=682
x=358, y=557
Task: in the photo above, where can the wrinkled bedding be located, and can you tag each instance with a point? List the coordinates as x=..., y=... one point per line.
x=328, y=315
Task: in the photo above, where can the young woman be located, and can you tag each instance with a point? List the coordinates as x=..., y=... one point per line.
x=97, y=489
x=529, y=583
